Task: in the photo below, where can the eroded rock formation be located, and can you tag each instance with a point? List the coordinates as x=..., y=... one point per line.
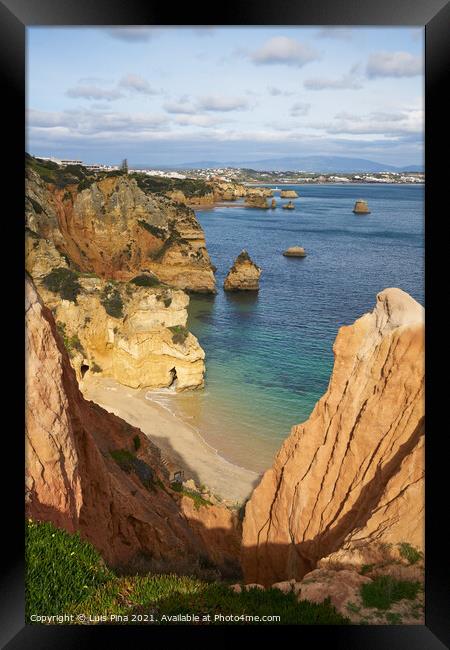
x=288, y=194
x=111, y=227
x=88, y=470
x=295, y=251
x=244, y=274
x=352, y=474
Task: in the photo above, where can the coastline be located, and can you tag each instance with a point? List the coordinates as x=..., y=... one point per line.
x=181, y=445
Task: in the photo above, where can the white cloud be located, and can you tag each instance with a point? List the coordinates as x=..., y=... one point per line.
x=349, y=81
x=284, y=50
x=94, y=92
x=222, y=103
x=300, y=108
x=394, y=64
x=276, y=92
x=181, y=106
x=407, y=122
x=88, y=122
x=198, y=120
x=137, y=84
x=132, y=34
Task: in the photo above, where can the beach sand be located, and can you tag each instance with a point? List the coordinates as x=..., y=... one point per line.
x=181, y=444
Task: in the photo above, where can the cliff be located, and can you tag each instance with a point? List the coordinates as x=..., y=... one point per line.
x=88, y=470
x=106, y=224
x=352, y=474
x=134, y=332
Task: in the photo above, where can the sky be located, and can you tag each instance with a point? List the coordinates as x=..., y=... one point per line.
x=172, y=95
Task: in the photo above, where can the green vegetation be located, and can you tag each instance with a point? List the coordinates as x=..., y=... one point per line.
x=61, y=570
x=136, y=442
x=179, y=333
x=383, y=591
x=191, y=187
x=129, y=463
x=146, y=280
x=63, y=281
x=409, y=553
x=71, y=343
x=352, y=607
x=112, y=301
x=366, y=568
x=191, y=494
x=159, y=233
x=393, y=618
x=66, y=575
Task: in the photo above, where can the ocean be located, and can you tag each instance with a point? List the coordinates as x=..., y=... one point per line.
x=269, y=355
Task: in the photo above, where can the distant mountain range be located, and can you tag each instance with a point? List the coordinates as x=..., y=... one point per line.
x=325, y=164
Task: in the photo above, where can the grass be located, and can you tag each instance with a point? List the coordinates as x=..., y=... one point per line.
x=61, y=569
x=63, y=281
x=383, y=591
x=409, y=553
x=179, y=333
x=112, y=301
x=191, y=494
x=66, y=575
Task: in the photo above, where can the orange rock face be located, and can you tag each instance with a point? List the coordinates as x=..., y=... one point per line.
x=114, y=229
x=83, y=471
x=353, y=473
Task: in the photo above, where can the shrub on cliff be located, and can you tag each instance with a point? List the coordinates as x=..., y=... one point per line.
x=383, y=591
x=112, y=301
x=179, y=333
x=146, y=280
x=63, y=281
x=61, y=569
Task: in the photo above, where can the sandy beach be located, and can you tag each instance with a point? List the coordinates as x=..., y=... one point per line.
x=181, y=444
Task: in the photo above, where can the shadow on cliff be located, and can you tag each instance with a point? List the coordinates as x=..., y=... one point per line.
x=268, y=563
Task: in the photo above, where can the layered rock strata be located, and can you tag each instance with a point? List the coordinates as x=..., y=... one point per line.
x=113, y=228
x=353, y=473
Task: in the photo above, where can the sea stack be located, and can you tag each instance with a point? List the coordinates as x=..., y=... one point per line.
x=273, y=204
x=289, y=206
x=295, y=251
x=244, y=274
x=361, y=207
x=288, y=194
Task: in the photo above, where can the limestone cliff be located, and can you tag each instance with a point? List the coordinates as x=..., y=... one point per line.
x=106, y=224
x=352, y=474
x=129, y=331
x=88, y=470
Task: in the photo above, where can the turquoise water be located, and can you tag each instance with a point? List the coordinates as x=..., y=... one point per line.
x=269, y=356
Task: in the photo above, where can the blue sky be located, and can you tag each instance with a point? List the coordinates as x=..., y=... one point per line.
x=173, y=95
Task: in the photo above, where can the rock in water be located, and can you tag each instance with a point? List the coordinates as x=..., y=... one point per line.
x=352, y=474
x=255, y=201
x=361, y=207
x=273, y=204
x=244, y=274
x=288, y=194
x=289, y=206
x=295, y=251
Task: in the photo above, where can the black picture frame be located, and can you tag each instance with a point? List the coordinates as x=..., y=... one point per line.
x=434, y=15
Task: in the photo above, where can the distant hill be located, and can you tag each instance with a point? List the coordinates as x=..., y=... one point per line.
x=326, y=164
